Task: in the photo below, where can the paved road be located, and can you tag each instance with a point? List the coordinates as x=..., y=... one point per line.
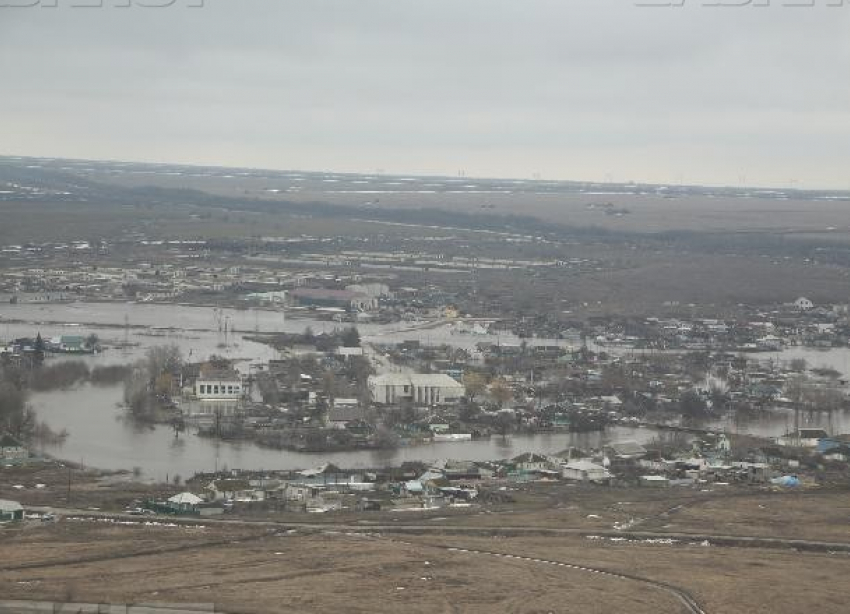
x=715, y=539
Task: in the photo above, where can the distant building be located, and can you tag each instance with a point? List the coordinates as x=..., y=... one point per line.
x=804, y=438
x=349, y=352
x=69, y=344
x=374, y=290
x=626, y=450
x=185, y=503
x=803, y=304
x=343, y=414
x=421, y=389
x=277, y=297
x=341, y=299
x=530, y=462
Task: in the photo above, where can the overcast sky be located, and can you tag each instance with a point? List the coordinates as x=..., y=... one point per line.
x=569, y=89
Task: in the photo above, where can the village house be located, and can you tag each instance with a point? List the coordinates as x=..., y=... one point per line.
x=230, y=489
x=626, y=450
x=12, y=449
x=531, y=462
x=343, y=415
x=10, y=511
x=584, y=470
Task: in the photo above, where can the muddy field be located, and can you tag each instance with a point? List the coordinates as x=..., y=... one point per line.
x=735, y=511
x=280, y=572
x=258, y=571
x=722, y=580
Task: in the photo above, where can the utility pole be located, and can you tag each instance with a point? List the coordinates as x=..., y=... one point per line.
x=797, y=421
x=126, y=348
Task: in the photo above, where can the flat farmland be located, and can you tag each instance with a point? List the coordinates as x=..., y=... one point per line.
x=645, y=210
x=552, y=550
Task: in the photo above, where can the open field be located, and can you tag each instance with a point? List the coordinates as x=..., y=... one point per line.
x=263, y=573
x=804, y=515
x=556, y=548
x=647, y=281
x=39, y=222
x=560, y=202
x=257, y=570
x=722, y=580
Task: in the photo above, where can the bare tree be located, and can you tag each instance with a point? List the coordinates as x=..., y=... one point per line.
x=501, y=392
x=475, y=384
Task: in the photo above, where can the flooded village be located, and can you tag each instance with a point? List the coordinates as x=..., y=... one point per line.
x=325, y=384
x=371, y=307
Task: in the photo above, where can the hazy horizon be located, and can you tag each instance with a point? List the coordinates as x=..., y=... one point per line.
x=592, y=90
x=383, y=173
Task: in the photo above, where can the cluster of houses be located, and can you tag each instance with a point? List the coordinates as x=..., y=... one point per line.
x=542, y=388
x=62, y=344
x=449, y=483
x=345, y=296
x=759, y=330
x=803, y=457
x=411, y=486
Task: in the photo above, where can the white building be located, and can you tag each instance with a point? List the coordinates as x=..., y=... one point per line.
x=803, y=304
x=277, y=297
x=421, y=389
x=349, y=352
x=584, y=470
x=223, y=385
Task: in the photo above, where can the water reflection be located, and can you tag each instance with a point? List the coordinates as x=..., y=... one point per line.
x=101, y=436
